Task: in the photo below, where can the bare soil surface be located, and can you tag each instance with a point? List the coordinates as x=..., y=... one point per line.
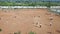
x=24, y=20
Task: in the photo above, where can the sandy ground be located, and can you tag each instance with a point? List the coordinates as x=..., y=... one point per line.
x=23, y=20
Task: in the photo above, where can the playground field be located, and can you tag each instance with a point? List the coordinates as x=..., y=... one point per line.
x=39, y=21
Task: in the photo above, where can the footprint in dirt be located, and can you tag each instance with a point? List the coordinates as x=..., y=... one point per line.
x=0, y=18
x=49, y=32
x=58, y=31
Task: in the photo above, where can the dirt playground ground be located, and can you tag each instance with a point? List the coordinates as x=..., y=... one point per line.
x=39, y=21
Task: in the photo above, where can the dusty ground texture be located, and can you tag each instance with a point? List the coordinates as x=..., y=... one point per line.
x=14, y=20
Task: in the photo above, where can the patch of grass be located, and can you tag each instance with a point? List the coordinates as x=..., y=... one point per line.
x=32, y=32
x=17, y=32
x=0, y=30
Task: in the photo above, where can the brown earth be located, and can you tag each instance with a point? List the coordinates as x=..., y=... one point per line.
x=14, y=20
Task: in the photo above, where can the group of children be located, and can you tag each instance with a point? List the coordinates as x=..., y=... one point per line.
x=37, y=22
